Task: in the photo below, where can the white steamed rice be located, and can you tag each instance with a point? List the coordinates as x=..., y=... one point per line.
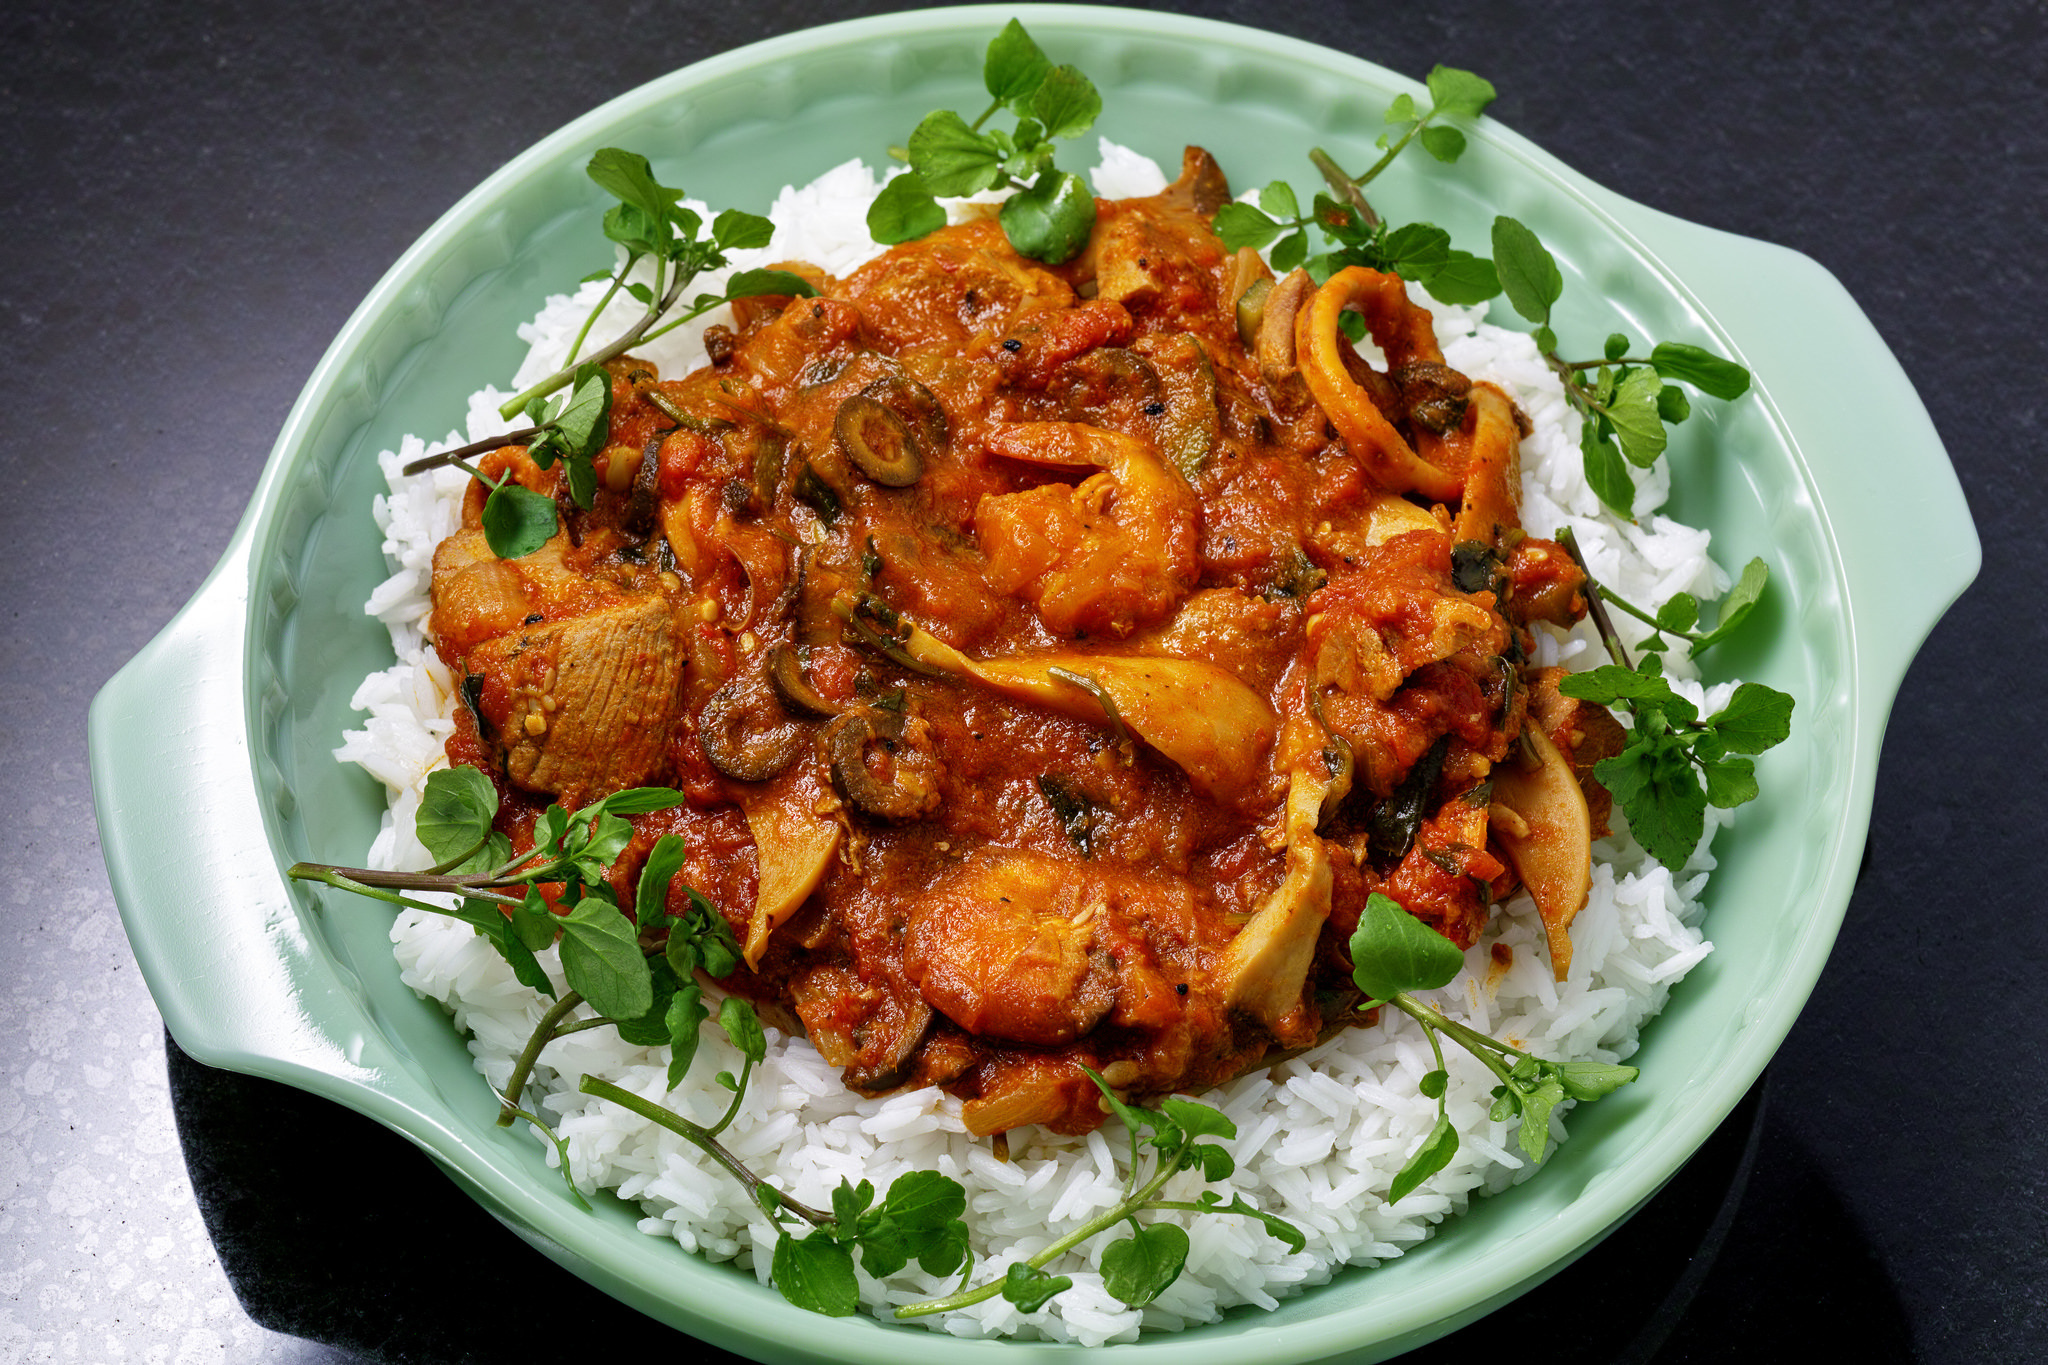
x=1319, y=1137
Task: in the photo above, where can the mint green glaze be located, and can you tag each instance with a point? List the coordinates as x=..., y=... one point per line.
x=210, y=750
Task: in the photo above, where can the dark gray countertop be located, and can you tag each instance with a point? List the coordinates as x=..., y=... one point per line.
x=197, y=196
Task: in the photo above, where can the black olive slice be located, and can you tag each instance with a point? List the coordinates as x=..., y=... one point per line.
x=786, y=673
x=880, y=444
x=913, y=793
x=746, y=733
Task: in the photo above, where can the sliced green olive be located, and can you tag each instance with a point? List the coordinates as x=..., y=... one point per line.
x=880, y=444
x=786, y=674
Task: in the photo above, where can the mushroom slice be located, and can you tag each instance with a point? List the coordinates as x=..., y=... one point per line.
x=794, y=848
x=1263, y=969
x=1550, y=839
x=1199, y=716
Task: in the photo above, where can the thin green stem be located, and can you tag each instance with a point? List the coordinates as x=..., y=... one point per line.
x=732, y=1110
x=543, y=1034
x=483, y=447
x=705, y=1142
x=663, y=301
x=1615, y=599
x=1598, y=364
x=1101, y=1223
x=1474, y=1042
x=1616, y=650
x=986, y=115
x=459, y=859
x=590, y=318
x=364, y=881
x=1344, y=185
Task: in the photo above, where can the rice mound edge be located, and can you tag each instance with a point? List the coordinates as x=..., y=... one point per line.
x=1320, y=1137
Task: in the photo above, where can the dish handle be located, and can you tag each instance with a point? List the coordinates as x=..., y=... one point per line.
x=206, y=909
x=1886, y=490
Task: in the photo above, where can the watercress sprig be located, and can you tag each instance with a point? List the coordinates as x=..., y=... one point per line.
x=649, y=222
x=1052, y=213
x=1139, y=1268
x=1355, y=232
x=610, y=961
x=1393, y=955
x=1625, y=401
x=1676, y=764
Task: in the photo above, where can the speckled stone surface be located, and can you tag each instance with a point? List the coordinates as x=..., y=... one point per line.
x=197, y=196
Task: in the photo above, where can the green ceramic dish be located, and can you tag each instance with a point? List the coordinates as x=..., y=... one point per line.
x=210, y=750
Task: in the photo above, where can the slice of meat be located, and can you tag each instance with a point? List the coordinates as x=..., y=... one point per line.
x=585, y=707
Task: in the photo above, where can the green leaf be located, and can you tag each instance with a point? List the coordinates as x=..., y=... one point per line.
x=685, y=1012
x=1416, y=250
x=1197, y=1120
x=1666, y=807
x=1528, y=273
x=1463, y=278
x=650, y=1028
x=1066, y=102
x=1633, y=411
x=489, y=921
x=1445, y=144
x=532, y=921
x=736, y=230
x=904, y=211
x=1278, y=199
x=602, y=959
x=951, y=158
x=922, y=1218
x=1291, y=252
x=1392, y=951
x=743, y=1027
x=749, y=283
x=1730, y=782
x=1755, y=718
x=1139, y=1268
x=607, y=841
x=1680, y=613
x=816, y=1272
x=1537, y=1102
x=1014, y=65
x=627, y=176
x=1591, y=1080
x=1051, y=221
x=1241, y=225
x=650, y=895
x=638, y=801
x=1672, y=404
x=1279, y=1228
x=1738, y=604
x=1433, y=1155
x=849, y=1202
x=1705, y=371
x=1454, y=91
x=1546, y=340
x=1030, y=1288
x=1216, y=1163
x=582, y=481
x=1611, y=683
x=1616, y=347
x=1402, y=110
x=1432, y=1085
x=455, y=813
x=517, y=521
x=1136, y=1118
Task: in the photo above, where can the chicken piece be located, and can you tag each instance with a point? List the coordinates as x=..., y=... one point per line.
x=586, y=706
x=1006, y=947
x=1116, y=552
x=1159, y=255
x=954, y=292
x=478, y=596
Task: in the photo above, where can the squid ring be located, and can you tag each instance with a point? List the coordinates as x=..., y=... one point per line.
x=1404, y=332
